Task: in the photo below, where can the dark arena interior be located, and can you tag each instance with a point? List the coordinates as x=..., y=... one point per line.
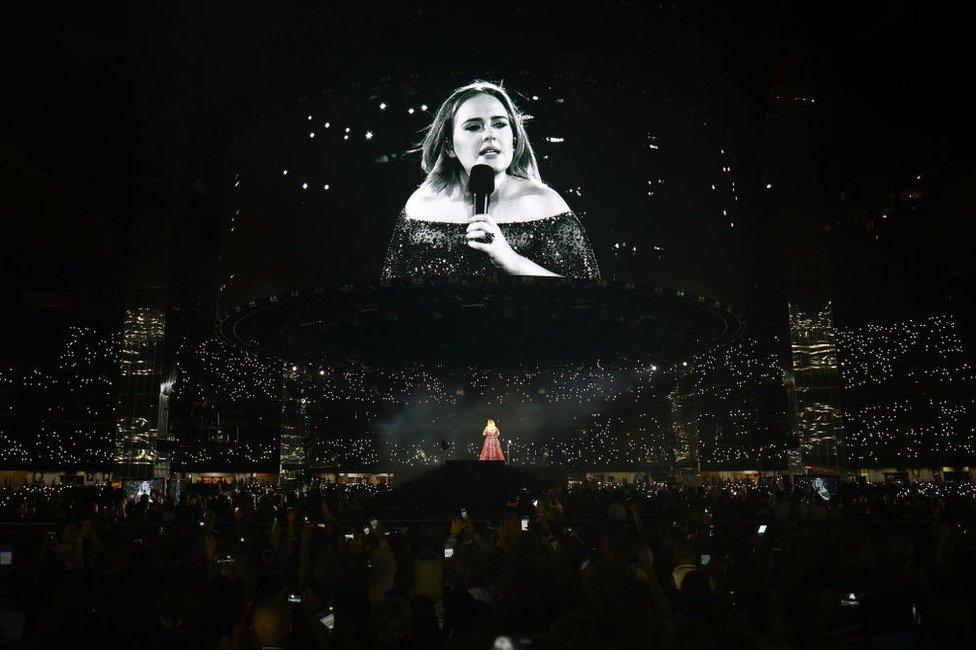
x=527, y=325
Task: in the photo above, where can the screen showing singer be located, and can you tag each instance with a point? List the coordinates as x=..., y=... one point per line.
x=483, y=210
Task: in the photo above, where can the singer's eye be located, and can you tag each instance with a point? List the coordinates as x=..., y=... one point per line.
x=500, y=125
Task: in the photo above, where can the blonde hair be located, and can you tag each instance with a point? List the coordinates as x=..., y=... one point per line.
x=428, y=577
x=444, y=173
x=490, y=425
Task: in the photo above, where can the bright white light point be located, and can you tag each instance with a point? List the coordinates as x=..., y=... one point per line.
x=321, y=372
x=312, y=134
x=284, y=172
x=345, y=137
x=769, y=186
x=325, y=187
x=309, y=117
x=653, y=368
x=304, y=186
x=382, y=106
x=347, y=129
x=535, y=98
x=327, y=125
x=423, y=107
x=731, y=224
x=684, y=363
x=294, y=368
x=369, y=135
x=713, y=187
x=410, y=110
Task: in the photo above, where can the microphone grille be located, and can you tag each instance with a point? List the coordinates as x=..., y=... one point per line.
x=482, y=180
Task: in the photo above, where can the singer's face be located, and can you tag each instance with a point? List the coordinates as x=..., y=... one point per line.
x=483, y=134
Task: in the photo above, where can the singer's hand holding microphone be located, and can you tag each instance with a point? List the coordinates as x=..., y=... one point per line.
x=483, y=234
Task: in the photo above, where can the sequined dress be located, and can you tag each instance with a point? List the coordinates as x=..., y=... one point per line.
x=439, y=249
x=492, y=449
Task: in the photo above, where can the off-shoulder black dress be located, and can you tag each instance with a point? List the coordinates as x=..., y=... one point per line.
x=439, y=249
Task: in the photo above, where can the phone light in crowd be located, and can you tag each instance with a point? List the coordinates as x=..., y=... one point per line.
x=369, y=135
x=448, y=552
x=535, y=503
x=304, y=186
x=328, y=620
x=284, y=172
x=382, y=106
x=525, y=523
x=312, y=135
x=762, y=529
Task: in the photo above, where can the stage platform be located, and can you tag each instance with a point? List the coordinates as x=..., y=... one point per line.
x=482, y=487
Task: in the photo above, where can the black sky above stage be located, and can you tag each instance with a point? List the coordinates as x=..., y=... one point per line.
x=93, y=91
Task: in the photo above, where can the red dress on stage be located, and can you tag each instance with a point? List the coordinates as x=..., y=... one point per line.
x=492, y=449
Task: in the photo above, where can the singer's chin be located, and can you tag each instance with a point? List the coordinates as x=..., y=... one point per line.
x=496, y=163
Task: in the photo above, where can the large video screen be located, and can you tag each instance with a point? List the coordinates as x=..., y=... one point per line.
x=468, y=180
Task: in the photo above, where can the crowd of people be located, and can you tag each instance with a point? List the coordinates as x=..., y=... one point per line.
x=583, y=565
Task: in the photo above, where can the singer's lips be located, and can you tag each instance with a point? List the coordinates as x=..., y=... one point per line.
x=487, y=150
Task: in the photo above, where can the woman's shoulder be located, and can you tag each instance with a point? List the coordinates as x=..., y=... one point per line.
x=426, y=205
x=537, y=199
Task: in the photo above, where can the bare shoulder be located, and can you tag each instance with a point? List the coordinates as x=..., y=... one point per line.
x=423, y=205
x=418, y=204
x=535, y=198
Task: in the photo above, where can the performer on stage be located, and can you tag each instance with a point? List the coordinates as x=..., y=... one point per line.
x=492, y=450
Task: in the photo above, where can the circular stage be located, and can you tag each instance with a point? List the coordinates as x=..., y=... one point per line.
x=526, y=319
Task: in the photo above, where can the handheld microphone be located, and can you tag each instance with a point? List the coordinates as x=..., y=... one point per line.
x=481, y=184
